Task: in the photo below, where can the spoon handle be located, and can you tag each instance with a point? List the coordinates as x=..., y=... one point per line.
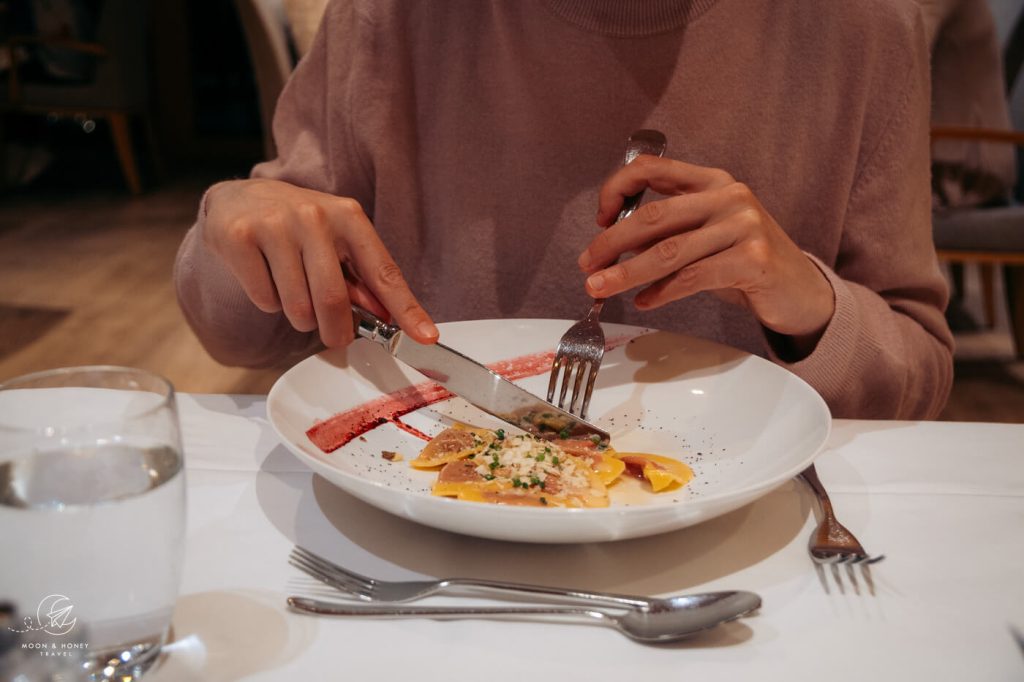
x=326, y=608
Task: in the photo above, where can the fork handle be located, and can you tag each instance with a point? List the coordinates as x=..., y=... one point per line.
x=503, y=587
x=650, y=142
x=810, y=474
x=653, y=143
x=629, y=205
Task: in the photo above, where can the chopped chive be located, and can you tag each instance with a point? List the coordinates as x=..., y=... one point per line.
x=493, y=465
x=473, y=456
x=534, y=480
x=554, y=460
x=595, y=439
x=489, y=477
x=563, y=434
x=500, y=433
x=543, y=500
x=540, y=457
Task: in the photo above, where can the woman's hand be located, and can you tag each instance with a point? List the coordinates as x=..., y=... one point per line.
x=309, y=254
x=710, y=234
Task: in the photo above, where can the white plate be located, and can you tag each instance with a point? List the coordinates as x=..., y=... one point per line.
x=743, y=424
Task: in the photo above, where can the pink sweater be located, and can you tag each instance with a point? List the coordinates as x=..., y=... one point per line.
x=475, y=134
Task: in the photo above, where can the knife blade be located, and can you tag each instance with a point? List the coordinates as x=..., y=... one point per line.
x=475, y=383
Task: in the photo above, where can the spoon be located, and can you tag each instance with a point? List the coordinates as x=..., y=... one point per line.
x=666, y=620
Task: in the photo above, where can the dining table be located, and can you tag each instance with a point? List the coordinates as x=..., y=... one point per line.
x=943, y=501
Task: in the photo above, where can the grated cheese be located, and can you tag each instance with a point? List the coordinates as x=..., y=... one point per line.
x=526, y=458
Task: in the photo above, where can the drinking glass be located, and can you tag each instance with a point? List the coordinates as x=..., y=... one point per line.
x=92, y=522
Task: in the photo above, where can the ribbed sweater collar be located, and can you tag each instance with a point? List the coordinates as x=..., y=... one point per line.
x=629, y=18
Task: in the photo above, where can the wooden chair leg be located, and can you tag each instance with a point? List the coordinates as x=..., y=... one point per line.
x=125, y=153
x=154, y=148
x=1013, y=277
x=4, y=170
x=956, y=274
x=987, y=273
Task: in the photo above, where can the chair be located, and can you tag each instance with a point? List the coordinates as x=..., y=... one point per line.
x=991, y=236
x=265, y=24
x=278, y=33
x=117, y=89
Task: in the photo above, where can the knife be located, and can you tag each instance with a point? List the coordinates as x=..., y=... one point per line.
x=473, y=382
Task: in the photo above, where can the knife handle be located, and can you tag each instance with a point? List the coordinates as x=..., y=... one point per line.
x=369, y=326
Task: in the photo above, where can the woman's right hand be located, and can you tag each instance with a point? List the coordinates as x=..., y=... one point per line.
x=309, y=254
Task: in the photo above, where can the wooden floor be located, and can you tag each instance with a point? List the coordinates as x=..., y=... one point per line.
x=86, y=279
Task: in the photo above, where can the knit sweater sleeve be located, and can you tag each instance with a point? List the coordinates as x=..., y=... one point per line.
x=310, y=142
x=887, y=352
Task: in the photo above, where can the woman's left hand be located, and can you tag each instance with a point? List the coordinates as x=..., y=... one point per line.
x=710, y=233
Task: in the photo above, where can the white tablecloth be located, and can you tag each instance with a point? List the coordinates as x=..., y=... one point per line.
x=943, y=501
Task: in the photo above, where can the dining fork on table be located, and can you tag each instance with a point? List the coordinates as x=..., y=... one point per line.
x=581, y=349
x=831, y=543
x=369, y=589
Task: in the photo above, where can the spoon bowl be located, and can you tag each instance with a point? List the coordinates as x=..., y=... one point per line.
x=676, y=618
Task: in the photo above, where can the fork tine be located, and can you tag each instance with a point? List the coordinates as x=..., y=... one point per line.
x=334, y=569
x=580, y=368
x=556, y=366
x=591, y=380
x=317, y=573
x=569, y=366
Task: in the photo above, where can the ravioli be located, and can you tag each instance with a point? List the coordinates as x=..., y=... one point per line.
x=602, y=458
x=480, y=465
x=663, y=473
x=523, y=470
x=452, y=444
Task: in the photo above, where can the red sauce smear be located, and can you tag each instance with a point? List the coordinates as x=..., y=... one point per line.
x=330, y=434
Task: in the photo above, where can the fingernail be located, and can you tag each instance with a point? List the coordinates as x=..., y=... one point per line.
x=427, y=330
x=596, y=282
x=585, y=259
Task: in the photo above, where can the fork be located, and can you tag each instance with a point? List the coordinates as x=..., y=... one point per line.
x=582, y=346
x=831, y=542
x=375, y=590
